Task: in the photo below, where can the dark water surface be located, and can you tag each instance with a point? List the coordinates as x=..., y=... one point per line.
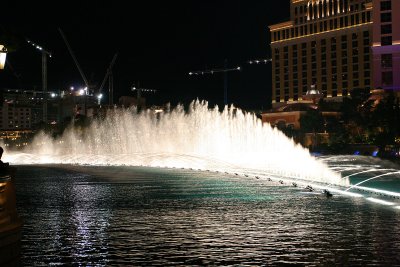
x=137, y=216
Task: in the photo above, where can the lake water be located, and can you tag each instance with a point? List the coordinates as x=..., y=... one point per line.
x=140, y=216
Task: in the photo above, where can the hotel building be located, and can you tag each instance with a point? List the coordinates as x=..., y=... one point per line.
x=327, y=44
x=386, y=44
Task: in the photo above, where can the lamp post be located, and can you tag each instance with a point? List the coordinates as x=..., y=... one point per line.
x=3, y=55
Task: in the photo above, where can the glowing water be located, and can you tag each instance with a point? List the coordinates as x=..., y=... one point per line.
x=201, y=138
x=382, y=178
x=372, y=178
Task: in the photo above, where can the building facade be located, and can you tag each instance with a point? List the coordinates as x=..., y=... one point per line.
x=24, y=99
x=15, y=117
x=386, y=44
x=326, y=44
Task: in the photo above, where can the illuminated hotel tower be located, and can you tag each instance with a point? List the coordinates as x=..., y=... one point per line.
x=327, y=43
x=386, y=44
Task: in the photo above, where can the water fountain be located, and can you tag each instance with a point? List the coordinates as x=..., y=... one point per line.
x=200, y=138
x=255, y=187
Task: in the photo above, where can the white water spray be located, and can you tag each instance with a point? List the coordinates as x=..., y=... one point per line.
x=200, y=138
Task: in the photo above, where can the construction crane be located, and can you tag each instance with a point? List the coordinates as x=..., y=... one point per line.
x=225, y=70
x=109, y=76
x=74, y=58
x=139, y=91
x=259, y=61
x=45, y=54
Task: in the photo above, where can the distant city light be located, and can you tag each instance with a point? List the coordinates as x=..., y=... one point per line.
x=258, y=61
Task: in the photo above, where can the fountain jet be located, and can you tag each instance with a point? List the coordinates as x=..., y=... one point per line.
x=200, y=138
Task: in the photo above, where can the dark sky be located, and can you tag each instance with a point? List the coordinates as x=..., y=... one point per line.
x=158, y=44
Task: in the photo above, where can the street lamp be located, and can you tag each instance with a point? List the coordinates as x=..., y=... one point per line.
x=99, y=97
x=3, y=55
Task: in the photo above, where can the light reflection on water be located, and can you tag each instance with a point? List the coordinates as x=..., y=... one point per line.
x=107, y=216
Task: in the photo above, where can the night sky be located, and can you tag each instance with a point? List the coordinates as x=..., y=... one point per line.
x=158, y=44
